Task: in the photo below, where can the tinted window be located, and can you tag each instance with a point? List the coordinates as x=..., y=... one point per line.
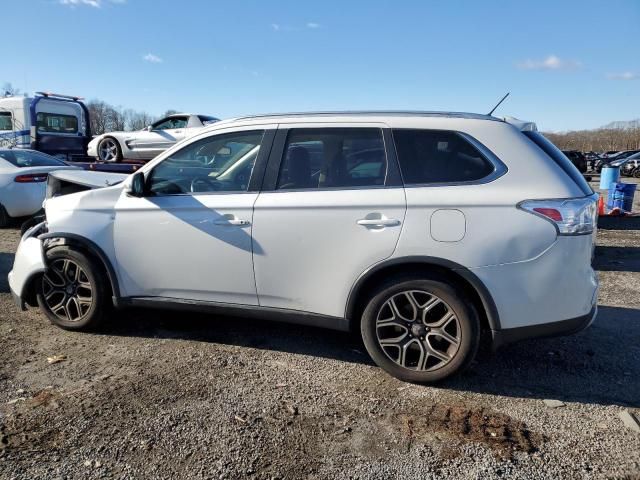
x=170, y=123
x=216, y=163
x=5, y=121
x=433, y=156
x=333, y=157
x=29, y=158
x=56, y=123
x=207, y=120
x=563, y=162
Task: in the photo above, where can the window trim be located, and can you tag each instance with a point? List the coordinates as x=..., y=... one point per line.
x=499, y=168
x=270, y=183
x=257, y=173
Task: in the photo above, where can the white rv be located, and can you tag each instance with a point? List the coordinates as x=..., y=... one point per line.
x=51, y=123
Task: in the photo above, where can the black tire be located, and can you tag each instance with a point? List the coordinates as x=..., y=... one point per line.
x=118, y=148
x=31, y=222
x=636, y=173
x=5, y=219
x=467, y=329
x=59, y=278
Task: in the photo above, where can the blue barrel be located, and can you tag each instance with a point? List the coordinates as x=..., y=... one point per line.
x=620, y=196
x=608, y=176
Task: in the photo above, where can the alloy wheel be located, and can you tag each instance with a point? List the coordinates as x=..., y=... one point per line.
x=108, y=151
x=67, y=291
x=418, y=330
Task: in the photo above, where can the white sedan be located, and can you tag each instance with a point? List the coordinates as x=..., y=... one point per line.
x=23, y=181
x=145, y=144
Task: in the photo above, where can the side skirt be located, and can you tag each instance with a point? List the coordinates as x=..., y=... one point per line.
x=237, y=310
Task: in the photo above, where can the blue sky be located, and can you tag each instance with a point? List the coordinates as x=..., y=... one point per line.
x=568, y=64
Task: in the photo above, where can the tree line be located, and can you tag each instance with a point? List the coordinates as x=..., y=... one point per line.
x=108, y=118
x=598, y=140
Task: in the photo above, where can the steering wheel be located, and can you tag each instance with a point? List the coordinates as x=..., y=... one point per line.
x=205, y=181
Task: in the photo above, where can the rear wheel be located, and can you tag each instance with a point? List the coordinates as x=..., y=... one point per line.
x=109, y=150
x=420, y=330
x=636, y=172
x=72, y=292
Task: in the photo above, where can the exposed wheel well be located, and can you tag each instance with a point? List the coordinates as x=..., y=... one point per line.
x=363, y=290
x=88, y=248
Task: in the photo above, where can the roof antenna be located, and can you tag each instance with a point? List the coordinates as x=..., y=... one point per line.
x=498, y=104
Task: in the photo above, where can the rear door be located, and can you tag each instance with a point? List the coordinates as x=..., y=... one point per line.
x=332, y=205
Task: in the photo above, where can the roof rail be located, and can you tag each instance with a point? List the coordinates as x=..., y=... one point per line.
x=58, y=95
x=417, y=113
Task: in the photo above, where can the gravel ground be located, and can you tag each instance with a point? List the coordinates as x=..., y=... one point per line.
x=170, y=395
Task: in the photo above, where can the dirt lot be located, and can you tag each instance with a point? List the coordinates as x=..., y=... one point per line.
x=164, y=395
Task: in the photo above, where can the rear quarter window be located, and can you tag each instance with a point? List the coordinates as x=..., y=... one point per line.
x=560, y=159
x=439, y=156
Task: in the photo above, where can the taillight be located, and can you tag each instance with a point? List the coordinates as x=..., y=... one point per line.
x=31, y=178
x=571, y=216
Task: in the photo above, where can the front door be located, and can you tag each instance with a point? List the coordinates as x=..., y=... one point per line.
x=335, y=209
x=189, y=237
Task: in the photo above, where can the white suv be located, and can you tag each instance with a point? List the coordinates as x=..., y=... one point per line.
x=420, y=230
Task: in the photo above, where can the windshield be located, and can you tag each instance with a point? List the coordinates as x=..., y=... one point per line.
x=30, y=158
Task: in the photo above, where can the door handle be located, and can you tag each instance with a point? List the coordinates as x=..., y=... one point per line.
x=231, y=221
x=378, y=222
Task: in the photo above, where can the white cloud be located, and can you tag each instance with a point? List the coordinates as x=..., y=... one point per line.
x=313, y=25
x=623, y=76
x=275, y=27
x=89, y=3
x=552, y=62
x=151, y=58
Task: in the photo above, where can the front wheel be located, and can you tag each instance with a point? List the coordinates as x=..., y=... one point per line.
x=636, y=173
x=420, y=330
x=109, y=150
x=72, y=291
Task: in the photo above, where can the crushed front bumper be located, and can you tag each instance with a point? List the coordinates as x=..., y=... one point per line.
x=29, y=262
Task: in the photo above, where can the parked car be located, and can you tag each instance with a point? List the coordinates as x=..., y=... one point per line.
x=616, y=158
x=150, y=141
x=629, y=165
x=48, y=122
x=577, y=158
x=420, y=231
x=23, y=176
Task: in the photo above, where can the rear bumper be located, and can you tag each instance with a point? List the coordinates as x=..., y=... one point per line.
x=553, y=329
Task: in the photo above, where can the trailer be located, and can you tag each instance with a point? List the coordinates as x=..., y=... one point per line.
x=52, y=123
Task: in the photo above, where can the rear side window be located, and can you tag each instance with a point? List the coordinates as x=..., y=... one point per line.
x=333, y=158
x=561, y=160
x=436, y=156
x=56, y=123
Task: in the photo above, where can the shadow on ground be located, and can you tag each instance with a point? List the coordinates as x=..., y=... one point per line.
x=600, y=365
x=617, y=259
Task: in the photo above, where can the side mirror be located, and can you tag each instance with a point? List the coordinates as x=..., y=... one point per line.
x=148, y=128
x=136, y=187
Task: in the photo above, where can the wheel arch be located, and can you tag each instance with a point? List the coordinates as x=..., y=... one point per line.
x=458, y=274
x=50, y=240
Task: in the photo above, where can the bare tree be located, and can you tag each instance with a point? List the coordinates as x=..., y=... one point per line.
x=9, y=90
x=599, y=140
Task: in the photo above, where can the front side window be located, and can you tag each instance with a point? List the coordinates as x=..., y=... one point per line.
x=56, y=123
x=171, y=123
x=333, y=158
x=29, y=158
x=220, y=163
x=438, y=156
x=5, y=121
